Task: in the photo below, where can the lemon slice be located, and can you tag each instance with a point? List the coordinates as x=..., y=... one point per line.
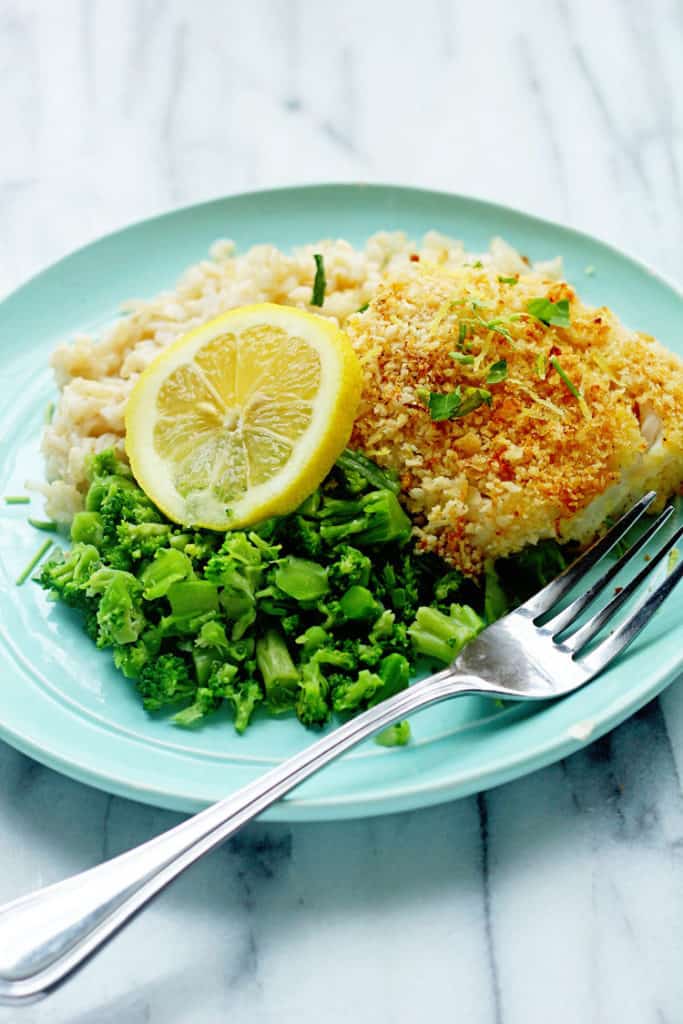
x=243, y=417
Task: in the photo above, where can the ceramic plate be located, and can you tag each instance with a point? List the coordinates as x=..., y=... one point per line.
x=62, y=702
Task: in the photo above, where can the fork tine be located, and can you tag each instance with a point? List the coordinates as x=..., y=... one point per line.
x=544, y=600
x=596, y=623
x=568, y=615
x=631, y=627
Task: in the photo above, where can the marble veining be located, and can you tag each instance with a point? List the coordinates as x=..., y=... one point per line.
x=558, y=897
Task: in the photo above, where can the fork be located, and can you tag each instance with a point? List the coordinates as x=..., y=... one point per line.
x=541, y=650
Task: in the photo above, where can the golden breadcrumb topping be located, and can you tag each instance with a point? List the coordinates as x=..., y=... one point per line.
x=577, y=419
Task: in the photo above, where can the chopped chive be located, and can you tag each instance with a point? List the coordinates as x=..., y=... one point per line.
x=17, y=499
x=463, y=331
x=541, y=365
x=478, y=265
x=320, y=283
x=461, y=358
x=571, y=387
x=47, y=525
x=38, y=557
x=49, y=412
x=361, y=309
x=508, y=280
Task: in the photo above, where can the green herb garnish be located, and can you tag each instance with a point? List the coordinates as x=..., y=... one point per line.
x=571, y=387
x=497, y=372
x=47, y=525
x=458, y=403
x=462, y=358
x=361, y=309
x=39, y=555
x=320, y=282
x=553, y=314
x=17, y=499
x=508, y=280
x=49, y=412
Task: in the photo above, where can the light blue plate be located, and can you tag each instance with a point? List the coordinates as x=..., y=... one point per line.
x=62, y=702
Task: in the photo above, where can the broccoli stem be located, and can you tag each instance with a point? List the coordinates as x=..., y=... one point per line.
x=280, y=676
x=356, y=462
x=440, y=636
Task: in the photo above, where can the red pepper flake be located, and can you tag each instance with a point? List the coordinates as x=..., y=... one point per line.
x=414, y=257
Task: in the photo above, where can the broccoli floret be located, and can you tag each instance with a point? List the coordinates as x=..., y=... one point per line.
x=280, y=676
x=303, y=536
x=350, y=566
x=242, y=694
x=376, y=518
x=212, y=636
x=311, y=705
x=106, y=463
x=353, y=694
x=165, y=680
x=441, y=636
x=237, y=567
x=205, y=701
x=167, y=568
x=66, y=577
x=119, y=613
x=446, y=588
x=132, y=658
x=396, y=735
x=141, y=540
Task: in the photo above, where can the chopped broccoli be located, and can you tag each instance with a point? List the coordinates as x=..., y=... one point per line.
x=396, y=735
x=323, y=610
x=358, y=604
x=303, y=580
x=440, y=636
x=119, y=614
x=168, y=567
x=87, y=528
x=67, y=577
x=280, y=677
x=356, y=467
x=166, y=680
x=376, y=518
x=350, y=566
x=312, y=707
x=353, y=694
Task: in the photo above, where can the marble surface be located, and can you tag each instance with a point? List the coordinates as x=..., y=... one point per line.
x=558, y=897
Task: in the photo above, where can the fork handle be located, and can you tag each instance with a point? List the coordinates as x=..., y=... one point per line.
x=46, y=935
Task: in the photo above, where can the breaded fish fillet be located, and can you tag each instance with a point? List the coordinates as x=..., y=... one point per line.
x=581, y=414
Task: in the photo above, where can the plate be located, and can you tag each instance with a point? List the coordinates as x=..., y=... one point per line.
x=62, y=702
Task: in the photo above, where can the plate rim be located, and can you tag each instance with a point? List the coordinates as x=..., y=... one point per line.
x=407, y=795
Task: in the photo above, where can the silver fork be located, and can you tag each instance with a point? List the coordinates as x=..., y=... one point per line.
x=531, y=654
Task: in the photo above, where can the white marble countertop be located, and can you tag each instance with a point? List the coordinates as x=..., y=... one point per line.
x=558, y=897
